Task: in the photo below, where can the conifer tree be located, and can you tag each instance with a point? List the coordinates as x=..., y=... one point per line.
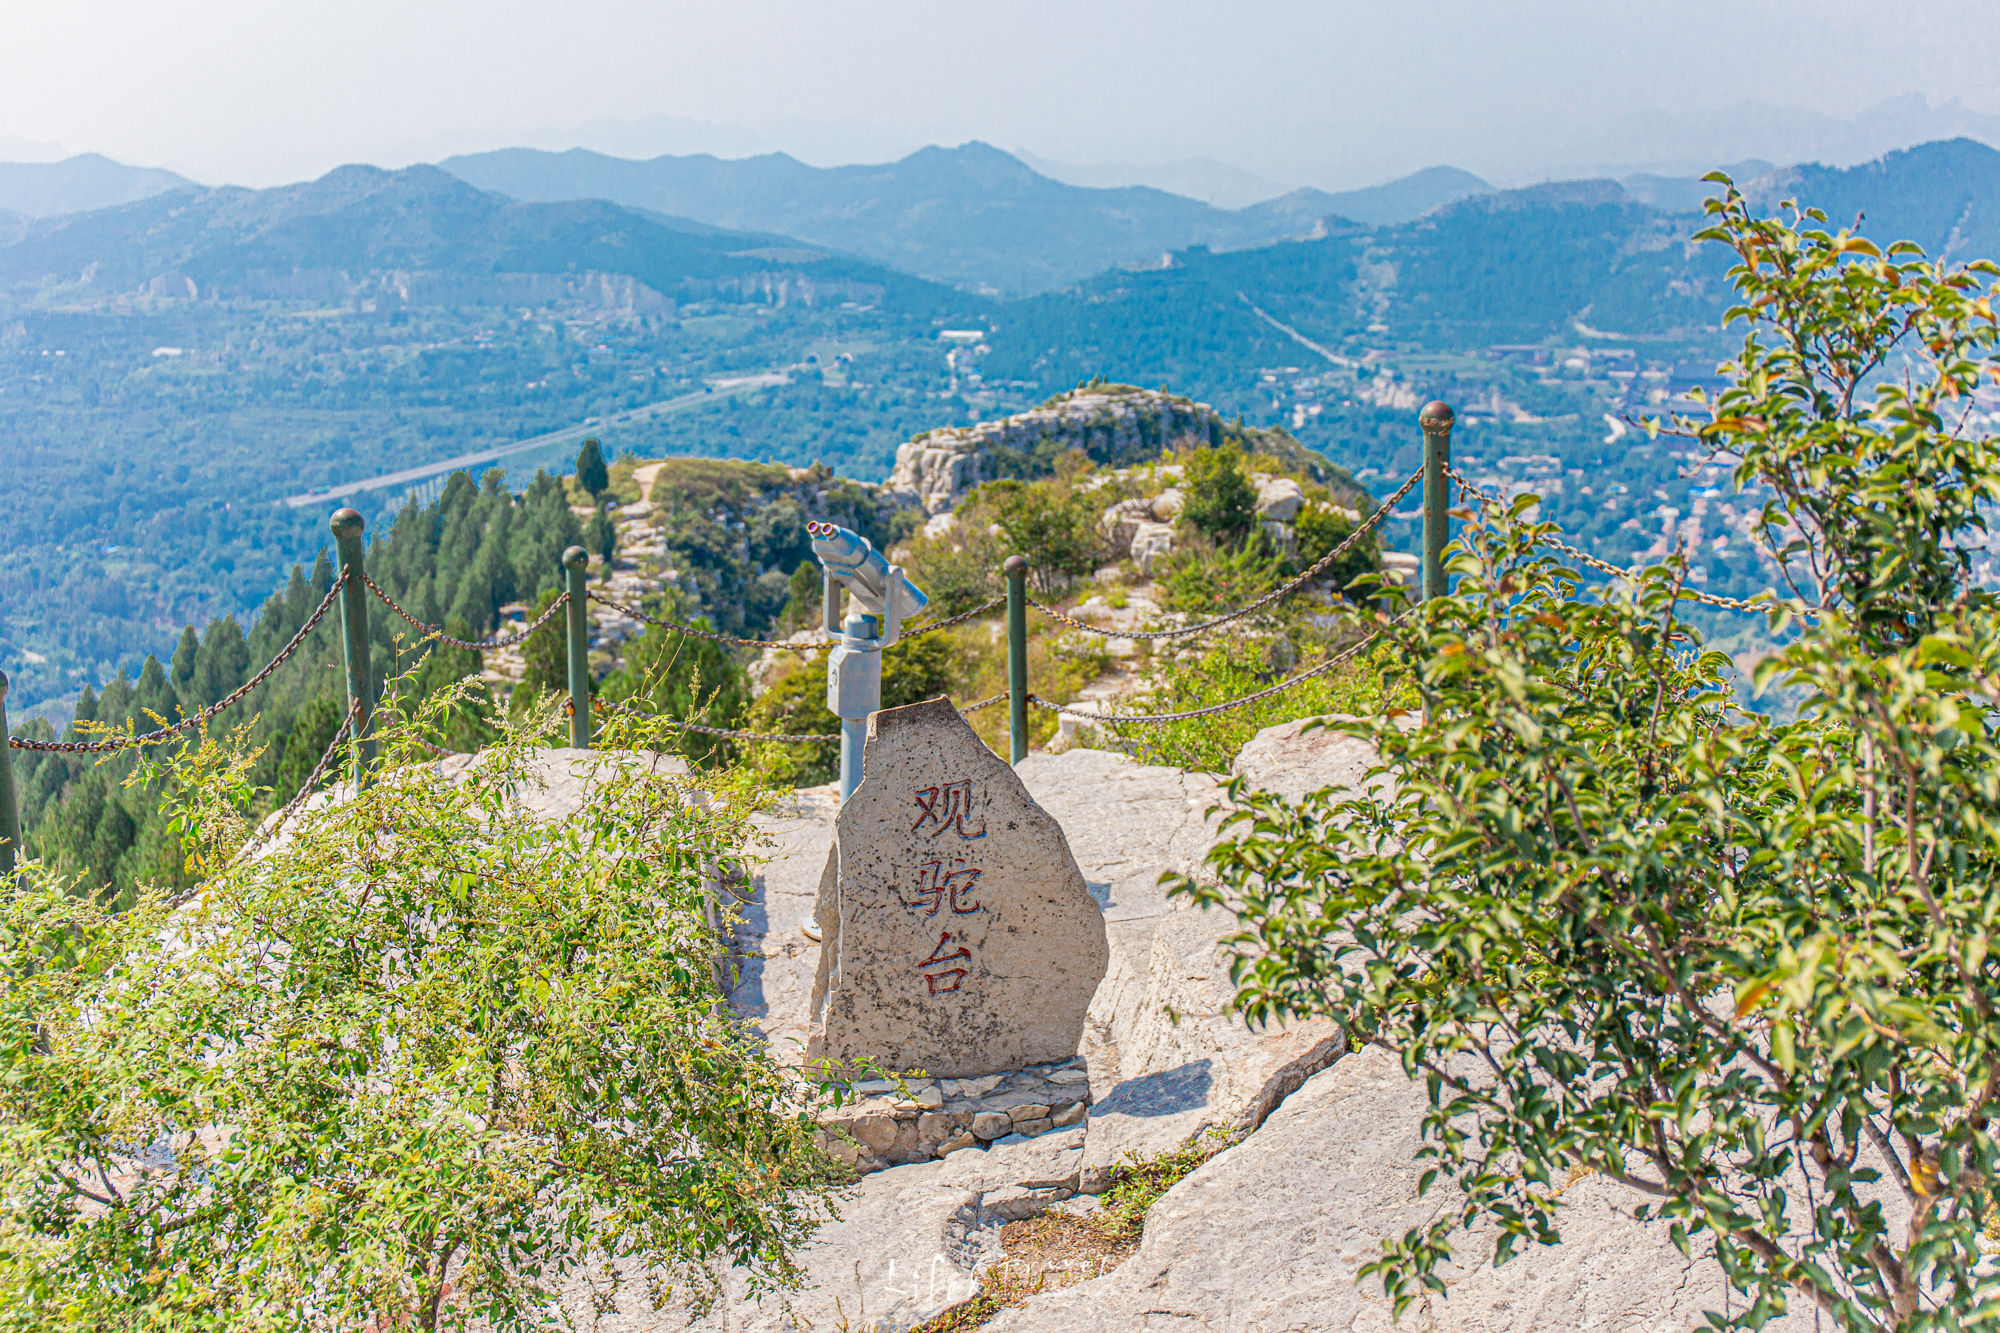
x=591, y=474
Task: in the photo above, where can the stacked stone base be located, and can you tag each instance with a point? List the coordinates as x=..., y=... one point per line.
x=886, y=1126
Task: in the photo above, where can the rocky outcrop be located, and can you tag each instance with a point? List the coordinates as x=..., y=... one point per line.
x=1116, y=425
x=1269, y=1235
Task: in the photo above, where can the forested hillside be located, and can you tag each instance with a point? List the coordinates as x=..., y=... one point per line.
x=455, y=563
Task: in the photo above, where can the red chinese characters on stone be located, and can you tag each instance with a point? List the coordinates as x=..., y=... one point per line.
x=947, y=806
x=943, y=881
x=943, y=976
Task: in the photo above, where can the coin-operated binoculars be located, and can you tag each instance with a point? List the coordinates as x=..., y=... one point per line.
x=880, y=599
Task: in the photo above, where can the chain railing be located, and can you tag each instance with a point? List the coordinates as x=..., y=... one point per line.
x=1472, y=491
x=432, y=631
x=353, y=585
x=193, y=720
x=793, y=645
x=713, y=636
x=1306, y=577
x=816, y=738
x=1124, y=719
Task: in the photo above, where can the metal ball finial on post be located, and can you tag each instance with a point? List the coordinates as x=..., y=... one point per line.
x=576, y=574
x=1436, y=421
x=347, y=526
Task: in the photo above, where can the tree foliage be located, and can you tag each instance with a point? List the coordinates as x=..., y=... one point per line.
x=1621, y=925
x=1053, y=523
x=1217, y=499
x=591, y=473
x=414, y=1065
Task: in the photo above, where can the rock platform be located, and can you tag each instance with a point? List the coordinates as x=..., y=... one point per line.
x=1268, y=1235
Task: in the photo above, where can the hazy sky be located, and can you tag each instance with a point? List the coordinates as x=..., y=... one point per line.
x=1332, y=94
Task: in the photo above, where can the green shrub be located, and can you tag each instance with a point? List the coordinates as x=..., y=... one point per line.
x=682, y=676
x=1052, y=523
x=1620, y=924
x=424, y=1061
x=913, y=669
x=1217, y=499
x=1321, y=527
x=1202, y=579
x=1231, y=667
x=958, y=571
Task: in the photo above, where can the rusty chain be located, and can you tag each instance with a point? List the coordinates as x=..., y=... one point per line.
x=270, y=830
x=820, y=647
x=1141, y=718
x=709, y=634
x=1318, y=567
x=188, y=723
x=987, y=702
x=505, y=641
x=1472, y=491
x=629, y=711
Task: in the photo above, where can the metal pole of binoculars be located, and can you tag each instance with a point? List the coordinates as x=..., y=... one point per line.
x=1016, y=570
x=879, y=597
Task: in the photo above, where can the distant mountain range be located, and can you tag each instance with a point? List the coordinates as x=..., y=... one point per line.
x=78, y=184
x=972, y=216
x=419, y=235
x=1944, y=196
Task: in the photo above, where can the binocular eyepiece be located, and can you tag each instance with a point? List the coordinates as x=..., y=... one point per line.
x=853, y=560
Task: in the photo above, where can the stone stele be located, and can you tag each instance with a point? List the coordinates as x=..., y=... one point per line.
x=958, y=936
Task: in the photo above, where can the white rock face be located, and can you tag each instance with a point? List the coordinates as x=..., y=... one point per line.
x=959, y=938
x=1150, y=543
x=1270, y=1234
x=1119, y=523
x=943, y=465
x=1279, y=499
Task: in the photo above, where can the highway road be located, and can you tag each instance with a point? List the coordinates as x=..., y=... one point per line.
x=568, y=434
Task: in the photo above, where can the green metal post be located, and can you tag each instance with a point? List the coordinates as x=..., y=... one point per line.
x=347, y=525
x=10, y=801
x=1017, y=657
x=576, y=576
x=1436, y=419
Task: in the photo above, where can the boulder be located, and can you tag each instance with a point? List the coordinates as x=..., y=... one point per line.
x=1294, y=758
x=1168, y=1059
x=1150, y=542
x=1166, y=506
x=1279, y=499
x=1118, y=525
x=959, y=937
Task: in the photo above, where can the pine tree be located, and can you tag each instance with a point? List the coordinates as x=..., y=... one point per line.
x=591, y=474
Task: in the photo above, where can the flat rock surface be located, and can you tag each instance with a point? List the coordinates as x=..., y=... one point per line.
x=960, y=938
x=910, y=1242
x=774, y=960
x=1267, y=1238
